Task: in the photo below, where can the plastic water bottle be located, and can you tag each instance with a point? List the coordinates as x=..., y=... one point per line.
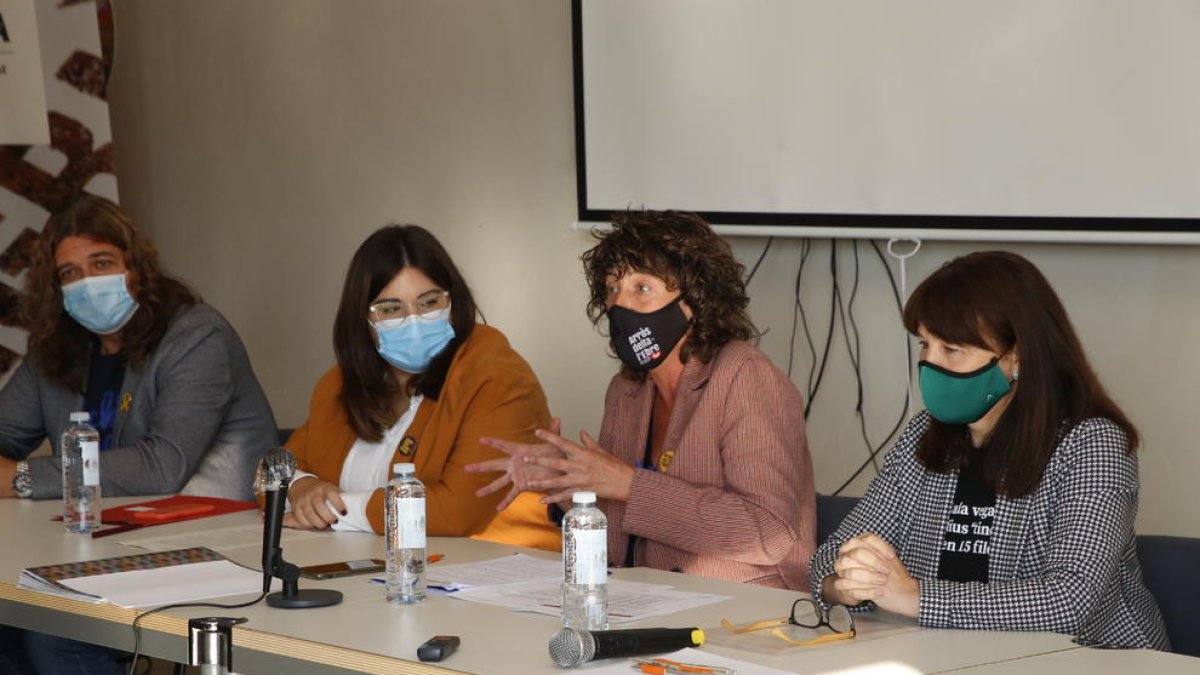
x=404, y=525
x=81, y=475
x=585, y=565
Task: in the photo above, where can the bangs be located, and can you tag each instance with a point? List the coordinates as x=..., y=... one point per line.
x=951, y=309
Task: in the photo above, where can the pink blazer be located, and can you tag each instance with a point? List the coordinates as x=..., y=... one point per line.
x=737, y=500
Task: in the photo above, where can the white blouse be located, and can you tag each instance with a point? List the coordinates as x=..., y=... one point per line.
x=367, y=468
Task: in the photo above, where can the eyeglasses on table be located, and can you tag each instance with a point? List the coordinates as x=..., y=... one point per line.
x=806, y=613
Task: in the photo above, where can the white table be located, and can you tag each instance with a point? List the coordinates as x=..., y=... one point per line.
x=365, y=634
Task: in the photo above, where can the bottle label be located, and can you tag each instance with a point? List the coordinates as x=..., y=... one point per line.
x=91, y=462
x=591, y=556
x=410, y=517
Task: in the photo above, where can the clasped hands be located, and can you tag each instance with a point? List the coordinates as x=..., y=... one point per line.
x=556, y=466
x=867, y=568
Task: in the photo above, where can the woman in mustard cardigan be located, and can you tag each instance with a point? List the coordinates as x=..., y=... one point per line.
x=417, y=380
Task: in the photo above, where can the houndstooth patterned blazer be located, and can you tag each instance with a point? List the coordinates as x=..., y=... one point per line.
x=1062, y=559
x=737, y=500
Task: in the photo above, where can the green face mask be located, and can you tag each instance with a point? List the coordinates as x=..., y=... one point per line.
x=961, y=398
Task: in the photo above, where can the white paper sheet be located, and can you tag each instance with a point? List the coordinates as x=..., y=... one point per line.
x=509, y=569
x=168, y=585
x=690, y=656
x=627, y=600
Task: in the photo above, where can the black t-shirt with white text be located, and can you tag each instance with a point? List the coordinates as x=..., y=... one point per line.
x=967, y=539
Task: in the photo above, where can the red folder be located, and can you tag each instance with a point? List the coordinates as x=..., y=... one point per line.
x=168, y=510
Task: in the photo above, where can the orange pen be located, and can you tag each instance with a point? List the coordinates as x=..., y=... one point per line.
x=669, y=667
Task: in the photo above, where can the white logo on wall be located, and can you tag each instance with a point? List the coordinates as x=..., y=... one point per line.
x=37, y=179
x=22, y=92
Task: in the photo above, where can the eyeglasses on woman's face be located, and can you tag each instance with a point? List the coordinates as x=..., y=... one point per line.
x=806, y=613
x=388, y=308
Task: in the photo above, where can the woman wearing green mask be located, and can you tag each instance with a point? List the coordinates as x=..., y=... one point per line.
x=1009, y=503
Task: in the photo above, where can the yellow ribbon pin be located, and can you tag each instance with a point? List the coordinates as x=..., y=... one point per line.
x=665, y=461
x=126, y=402
x=408, y=446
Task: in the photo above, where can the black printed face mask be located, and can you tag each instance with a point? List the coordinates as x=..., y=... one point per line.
x=643, y=340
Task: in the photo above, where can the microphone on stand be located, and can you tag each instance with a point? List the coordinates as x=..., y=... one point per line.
x=274, y=474
x=571, y=647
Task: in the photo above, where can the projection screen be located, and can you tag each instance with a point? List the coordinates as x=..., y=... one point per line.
x=1068, y=119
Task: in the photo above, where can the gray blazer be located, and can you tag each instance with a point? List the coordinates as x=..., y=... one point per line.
x=1062, y=558
x=197, y=421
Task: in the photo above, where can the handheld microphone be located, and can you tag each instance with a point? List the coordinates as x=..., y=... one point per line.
x=272, y=479
x=571, y=647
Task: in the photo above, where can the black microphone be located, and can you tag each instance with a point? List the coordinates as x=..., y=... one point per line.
x=274, y=474
x=571, y=647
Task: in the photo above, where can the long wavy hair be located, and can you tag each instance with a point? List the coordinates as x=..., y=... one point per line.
x=682, y=250
x=58, y=345
x=370, y=389
x=999, y=302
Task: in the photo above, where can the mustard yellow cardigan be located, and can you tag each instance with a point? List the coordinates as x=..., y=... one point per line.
x=489, y=391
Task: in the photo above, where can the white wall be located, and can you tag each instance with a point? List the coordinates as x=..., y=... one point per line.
x=260, y=142
x=1135, y=308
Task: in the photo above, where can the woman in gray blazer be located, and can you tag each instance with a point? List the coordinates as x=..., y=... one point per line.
x=164, y=378
x=1009, y=503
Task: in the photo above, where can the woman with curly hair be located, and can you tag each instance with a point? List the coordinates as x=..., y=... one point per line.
x=165, y=378
x=701, y=464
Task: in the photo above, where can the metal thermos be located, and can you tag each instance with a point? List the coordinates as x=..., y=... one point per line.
x=210, y=644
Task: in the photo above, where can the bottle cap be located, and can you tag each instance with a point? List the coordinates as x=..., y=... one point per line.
x=584, y=497
x=404, y=469
x=80, y=417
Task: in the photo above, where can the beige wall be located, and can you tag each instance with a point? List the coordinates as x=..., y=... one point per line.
x=261, y=141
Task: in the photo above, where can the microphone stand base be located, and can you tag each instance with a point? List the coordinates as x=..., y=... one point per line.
x=304, y=599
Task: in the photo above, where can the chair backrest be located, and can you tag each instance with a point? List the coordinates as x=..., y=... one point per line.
x=1169, y=568
x=830, y=512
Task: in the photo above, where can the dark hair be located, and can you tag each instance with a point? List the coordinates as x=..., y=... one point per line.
x=682, y=250
x=999, y=301
x=57, y=344
x=370, y=388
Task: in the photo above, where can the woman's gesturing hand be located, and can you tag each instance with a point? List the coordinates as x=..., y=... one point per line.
x=517, y=472
x=580, y=466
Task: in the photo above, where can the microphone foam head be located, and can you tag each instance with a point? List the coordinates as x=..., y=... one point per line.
x=275, y=470
x=571, y=647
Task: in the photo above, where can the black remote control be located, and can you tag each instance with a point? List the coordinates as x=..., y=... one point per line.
x=438, y=647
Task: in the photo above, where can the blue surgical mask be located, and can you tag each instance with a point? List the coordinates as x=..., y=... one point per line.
x=101, y=304
x=411, y=343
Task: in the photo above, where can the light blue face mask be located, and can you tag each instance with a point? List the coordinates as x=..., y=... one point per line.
x=100, y=304
x=411, y=343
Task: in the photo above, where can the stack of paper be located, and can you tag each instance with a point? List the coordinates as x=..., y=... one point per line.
x=523, y=583
x=146, y=580
x=512, y=569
